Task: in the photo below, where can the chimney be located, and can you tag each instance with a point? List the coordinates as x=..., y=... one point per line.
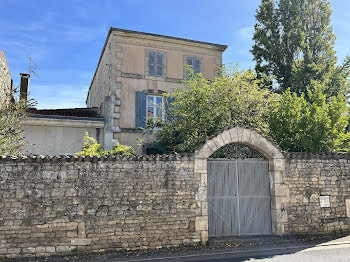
x=24, y=89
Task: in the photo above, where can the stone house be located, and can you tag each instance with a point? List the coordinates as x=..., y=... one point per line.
x=6, y=83
x=135, y=69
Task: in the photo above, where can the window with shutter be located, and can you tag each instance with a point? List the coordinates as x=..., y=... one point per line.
x=155, y=64
x=195, y=63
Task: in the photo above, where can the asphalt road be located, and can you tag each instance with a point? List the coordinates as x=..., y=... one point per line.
x=336, y=253
x=330, y=255
x=281, y=249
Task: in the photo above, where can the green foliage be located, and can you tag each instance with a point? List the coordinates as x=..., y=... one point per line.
x=294, y=45
x=204, y=107
x=12, y=115
x=92, y=148
x=317, y=125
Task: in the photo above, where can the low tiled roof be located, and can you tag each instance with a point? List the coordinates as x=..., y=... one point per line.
x=91, y=112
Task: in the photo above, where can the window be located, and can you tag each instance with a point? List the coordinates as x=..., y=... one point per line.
x=155, y=64
x=155, y=106
x=195, y=63
x=151, y=105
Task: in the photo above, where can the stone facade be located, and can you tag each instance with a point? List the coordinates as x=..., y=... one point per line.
x=5, y=77
x=122, y=71
x=309, y=177
x=63, y=205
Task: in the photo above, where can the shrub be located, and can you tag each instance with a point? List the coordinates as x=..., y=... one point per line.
x=92, y=148
x=12, y=116
x=317, y=125
x=202, y=107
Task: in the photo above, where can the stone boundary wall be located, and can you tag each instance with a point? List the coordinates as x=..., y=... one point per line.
x=310, y=176
x=64, y=205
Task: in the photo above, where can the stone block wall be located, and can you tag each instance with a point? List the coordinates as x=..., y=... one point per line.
x=310, y=176
x=63, y=205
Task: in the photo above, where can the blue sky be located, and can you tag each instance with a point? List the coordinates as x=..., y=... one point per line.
x=65, y=38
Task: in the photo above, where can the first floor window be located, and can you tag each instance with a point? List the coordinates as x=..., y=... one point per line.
x=155, y=64
x=154, y=106
x=195, y=63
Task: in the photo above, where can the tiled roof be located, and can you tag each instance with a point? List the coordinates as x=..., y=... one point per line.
x=91, y=112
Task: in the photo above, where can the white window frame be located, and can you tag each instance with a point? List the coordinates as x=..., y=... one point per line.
x=155, y=107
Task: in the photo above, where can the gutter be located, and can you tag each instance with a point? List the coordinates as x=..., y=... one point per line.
x=64, y=121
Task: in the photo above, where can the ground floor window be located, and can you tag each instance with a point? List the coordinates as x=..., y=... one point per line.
x=154, y=107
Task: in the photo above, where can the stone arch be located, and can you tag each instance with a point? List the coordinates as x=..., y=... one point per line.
x=277, y=169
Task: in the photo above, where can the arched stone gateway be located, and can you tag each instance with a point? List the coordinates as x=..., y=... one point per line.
x=276, y=169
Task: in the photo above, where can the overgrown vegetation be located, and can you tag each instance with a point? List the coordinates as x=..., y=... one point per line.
x=92, y=148
x=12, y=115
x=313, y=125
x=204, y=107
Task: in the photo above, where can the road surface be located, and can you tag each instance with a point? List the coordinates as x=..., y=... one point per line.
x=336, y=250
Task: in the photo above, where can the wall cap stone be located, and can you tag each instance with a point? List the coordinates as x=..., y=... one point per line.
x=309, y=156
x=93, y=159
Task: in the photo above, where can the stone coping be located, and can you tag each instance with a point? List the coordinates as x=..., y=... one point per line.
x=309, y=156
x=172, y=157
x=64, y=158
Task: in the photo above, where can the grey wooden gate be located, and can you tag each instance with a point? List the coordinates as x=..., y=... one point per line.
x=238, y=197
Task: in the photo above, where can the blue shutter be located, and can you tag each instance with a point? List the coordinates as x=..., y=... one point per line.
x=189, y=61
x=196, y=65
x=152, y=62
x=140, y=109
x=167, y=108
x=160, y=64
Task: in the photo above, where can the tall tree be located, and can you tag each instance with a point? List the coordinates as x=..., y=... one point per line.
x=294, y=45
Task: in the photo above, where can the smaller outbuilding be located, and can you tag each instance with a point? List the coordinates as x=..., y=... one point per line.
x=52, y=131
x=58, y=131
x=61, y=131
